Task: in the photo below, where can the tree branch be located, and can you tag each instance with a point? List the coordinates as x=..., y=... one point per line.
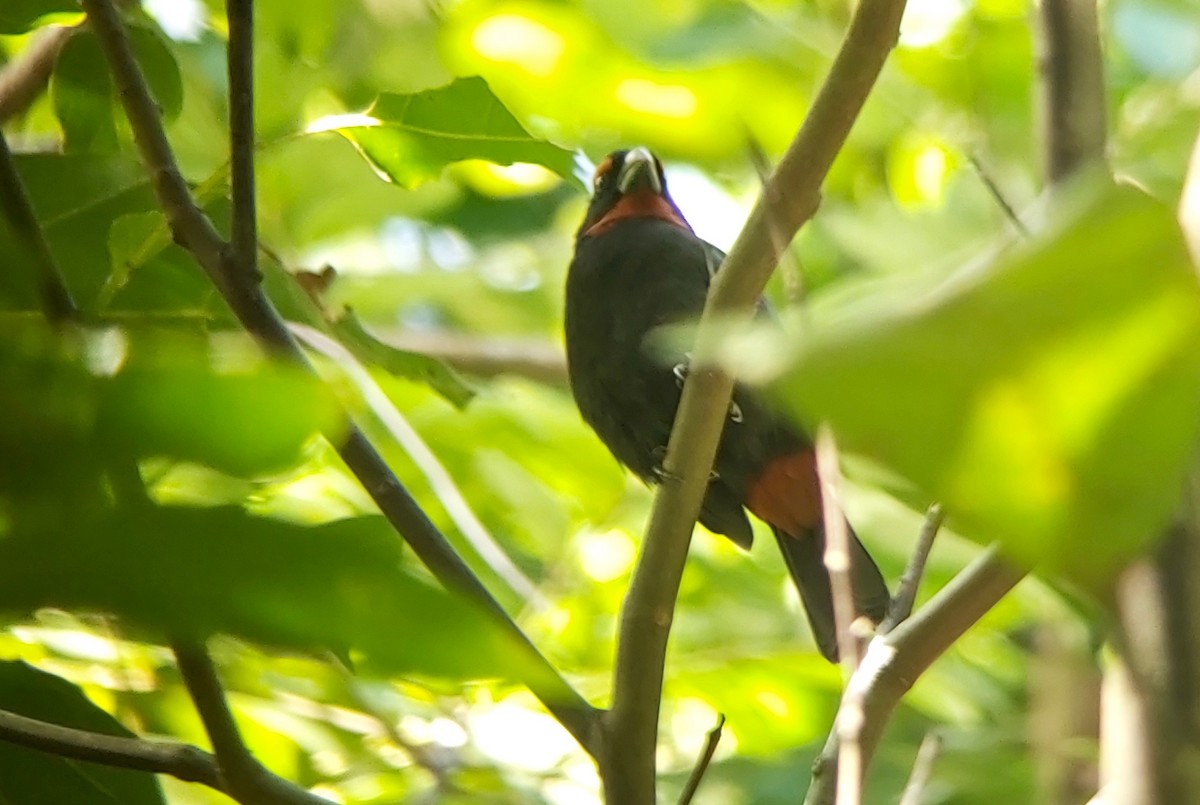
x=910, y=581
x=195, y=232
x=245, y=779
x=181, y=761
x=894, y=661
x=1075, y=121
x=789, y=198
x=25, y=78
x=56, y=300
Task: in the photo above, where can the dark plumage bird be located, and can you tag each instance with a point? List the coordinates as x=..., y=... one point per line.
x=637, y=266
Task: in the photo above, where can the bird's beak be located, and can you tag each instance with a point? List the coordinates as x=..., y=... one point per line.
x=640, y=171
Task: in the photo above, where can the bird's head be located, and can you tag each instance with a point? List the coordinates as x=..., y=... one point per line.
x=629, y=184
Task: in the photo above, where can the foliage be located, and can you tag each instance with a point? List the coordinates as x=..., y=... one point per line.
x=1042, y=390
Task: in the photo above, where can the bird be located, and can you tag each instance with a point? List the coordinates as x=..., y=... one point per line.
x=638, y=266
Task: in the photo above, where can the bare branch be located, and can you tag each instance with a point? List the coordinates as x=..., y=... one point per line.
x=25, y=78
x=57, y=303
x=837, y=554
x=196, y=233
x=789, y=198
x=181, y=761
x=245, y=779
x=931, y=747
x=910, y=582
x=536, y=359
x=1075, y=121
x=706, y=756
x=894, y=661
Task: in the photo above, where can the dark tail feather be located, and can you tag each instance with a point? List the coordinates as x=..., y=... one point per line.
x=805, y=560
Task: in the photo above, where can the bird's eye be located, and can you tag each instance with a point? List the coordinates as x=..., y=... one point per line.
x=601, y=171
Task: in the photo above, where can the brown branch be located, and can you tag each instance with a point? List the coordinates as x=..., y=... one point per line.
x=25, y=78
x=894, y=661
x=922, y=770
x=536, y=359
x=837, y=554
x=57, y=304
x=910, y=581
x=789, y=198
x=706, y=756
x=181, y=761
x=1074, y=112
x=193, y=230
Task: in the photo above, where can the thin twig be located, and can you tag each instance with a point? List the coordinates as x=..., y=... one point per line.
x=702, y=764
x=195, y=232
x=894, y=661
x=931, y=747
x=989, y=182
x=56, y=300
x=906, y=594
x=837, y=551
x=789, y=198
x=427, y=462
x=244, y=777
x=182, y=761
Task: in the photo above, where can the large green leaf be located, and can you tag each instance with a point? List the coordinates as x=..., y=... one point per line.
x=1049, y=398
x=411, y=138
x=32, y=777
x=196, y=571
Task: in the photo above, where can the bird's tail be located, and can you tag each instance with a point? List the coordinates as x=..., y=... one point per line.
x=804, y=556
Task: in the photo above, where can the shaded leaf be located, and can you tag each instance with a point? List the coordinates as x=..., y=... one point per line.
x=197, y=571
x=28, y=776
x=410, y=139
x=19, y=16
x=81, y=91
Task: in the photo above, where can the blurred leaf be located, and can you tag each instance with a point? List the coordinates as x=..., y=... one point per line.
x=414, y=137
x=76, y=198
x=244, y=422
x=81, y=91
x=32, y=777
x=18, y=16
x=160, y=68
x=197, y=571
x=1048, y=399
x=402, y=363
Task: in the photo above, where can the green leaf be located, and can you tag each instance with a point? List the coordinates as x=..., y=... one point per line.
x=160, y=68
x=196, y=571
x=76, y=198
x=1048, y=399
x=410, y=139
x=402, y=363
x=81, y=91
x=244, y=422
x=34, y=777
x=19, y=16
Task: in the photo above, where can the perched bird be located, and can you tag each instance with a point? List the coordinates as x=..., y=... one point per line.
x=638, y=266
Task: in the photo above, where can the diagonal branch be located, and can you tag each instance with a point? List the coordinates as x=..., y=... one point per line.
x=56, y=300
x=195, y=232
x=181, y=761
x=245, y=778
x=894, y=661
x=789, y=198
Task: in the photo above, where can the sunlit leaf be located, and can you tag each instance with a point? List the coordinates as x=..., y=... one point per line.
x=402, y=363
x=1049, y=399
x=412, y=138
x=31, y=776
